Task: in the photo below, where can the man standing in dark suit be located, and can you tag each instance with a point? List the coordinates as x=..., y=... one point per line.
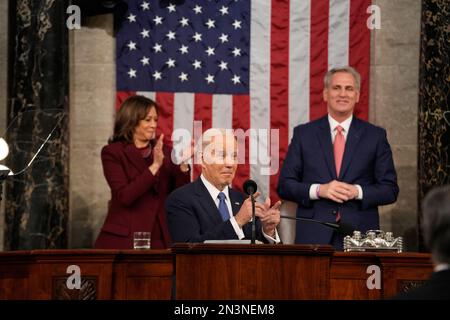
x=208, y=209
x=436, y=232
x=338, y=168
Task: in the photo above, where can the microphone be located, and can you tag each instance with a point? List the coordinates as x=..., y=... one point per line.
x=51, y=117
x=250, y=188
x=342, y=228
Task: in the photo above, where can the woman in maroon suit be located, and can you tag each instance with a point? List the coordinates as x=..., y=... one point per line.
x=140, y=173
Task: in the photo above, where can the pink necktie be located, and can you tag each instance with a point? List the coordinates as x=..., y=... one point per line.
x=339, y=147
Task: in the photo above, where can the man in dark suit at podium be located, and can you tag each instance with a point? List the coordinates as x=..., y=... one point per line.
x=209, y=209
x=436, y=232
x=338, y=168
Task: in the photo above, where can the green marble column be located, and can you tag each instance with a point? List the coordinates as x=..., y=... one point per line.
x=36, y=202
x=434, y=98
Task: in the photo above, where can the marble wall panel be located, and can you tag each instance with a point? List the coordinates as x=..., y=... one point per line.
x=92, y=87
x=36, y=201
x=3, y=90
x=434, y=97
x=394, y=105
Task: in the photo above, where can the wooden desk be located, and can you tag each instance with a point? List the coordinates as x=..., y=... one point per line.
x=229, y=271
x=210, y=271
x=105, y=274
x=399, y=273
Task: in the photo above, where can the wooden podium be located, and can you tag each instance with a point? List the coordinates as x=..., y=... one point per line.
x=209, y=271
x=233, y=271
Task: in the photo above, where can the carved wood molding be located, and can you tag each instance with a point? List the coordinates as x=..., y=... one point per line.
x=408, y=285
x=87, y=291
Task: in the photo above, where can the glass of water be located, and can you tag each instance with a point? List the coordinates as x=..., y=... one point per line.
x=141, y=240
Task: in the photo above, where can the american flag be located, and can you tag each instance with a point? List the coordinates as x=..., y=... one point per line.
x=241, y=64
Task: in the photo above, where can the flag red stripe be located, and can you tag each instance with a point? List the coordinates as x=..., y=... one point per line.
x=203, y=109
x=202, y=112
x=318, y=56
x=279, y=80
x=359, y=52
x=121, y=96
x=241, y=120
x=165, y=100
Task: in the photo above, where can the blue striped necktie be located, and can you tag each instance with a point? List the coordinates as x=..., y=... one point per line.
x=223, y=209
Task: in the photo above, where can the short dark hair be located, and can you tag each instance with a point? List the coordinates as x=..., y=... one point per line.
x=436, y=223
x=132, y=110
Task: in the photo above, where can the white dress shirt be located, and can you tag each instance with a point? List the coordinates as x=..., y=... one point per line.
x=441, y=267
x=214, y=192
x=333, y=131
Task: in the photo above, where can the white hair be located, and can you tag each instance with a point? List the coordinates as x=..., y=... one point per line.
x=207, y=138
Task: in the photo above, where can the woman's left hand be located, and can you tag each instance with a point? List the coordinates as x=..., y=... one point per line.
x=158, y=155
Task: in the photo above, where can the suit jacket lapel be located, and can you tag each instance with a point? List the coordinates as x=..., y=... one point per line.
x=207, y=202
x=353, y=138
x=236, y=202
x=324, y=134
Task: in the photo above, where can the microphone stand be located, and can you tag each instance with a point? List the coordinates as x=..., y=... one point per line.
x=342, y=228
x=328, y=224
x=250, y=188
x=5, y=172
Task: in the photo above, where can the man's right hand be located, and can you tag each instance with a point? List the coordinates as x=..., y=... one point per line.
x=337, y=191
x=245, y=212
